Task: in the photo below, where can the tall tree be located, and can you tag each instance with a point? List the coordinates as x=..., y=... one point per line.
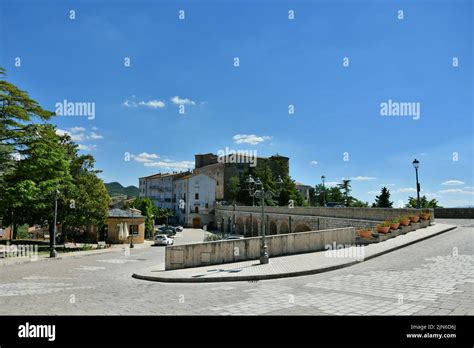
x=383, y=200
x=16, y=112
x=424, y=202
x=29, y=192
x=345, y=186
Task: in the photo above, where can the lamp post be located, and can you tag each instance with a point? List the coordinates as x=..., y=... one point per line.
x=324, y=190
x=256, y=189
x=233, y=219
x=131, y=230
x=52, y=239
x=416, y=164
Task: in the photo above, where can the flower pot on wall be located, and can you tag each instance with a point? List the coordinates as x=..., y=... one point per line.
x=366, y=234
x=405, y=222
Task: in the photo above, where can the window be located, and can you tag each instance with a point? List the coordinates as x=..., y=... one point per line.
x=133, y=229
x=196, y=210
x=217, y=183
x=207, y=205
x=196, y=195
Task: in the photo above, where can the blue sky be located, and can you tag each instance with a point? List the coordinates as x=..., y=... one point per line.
x=283, y=62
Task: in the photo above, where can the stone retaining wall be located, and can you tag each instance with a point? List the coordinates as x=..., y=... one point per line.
x=219, y=252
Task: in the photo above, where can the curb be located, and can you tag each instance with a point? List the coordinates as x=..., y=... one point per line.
x=280, y=275
x=62, y=257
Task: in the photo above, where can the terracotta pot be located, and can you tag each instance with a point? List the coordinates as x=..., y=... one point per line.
x=384, y=230
x=394, y=226
x=425, y=216
x=405, y=222
x=415, y=218
x=365, y=234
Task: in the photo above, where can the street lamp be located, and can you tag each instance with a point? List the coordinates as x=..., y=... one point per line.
x=250, y=187
x=131, y=230
x=256, y=189
x=324, y=190
x=416, y=164
x=52, y=239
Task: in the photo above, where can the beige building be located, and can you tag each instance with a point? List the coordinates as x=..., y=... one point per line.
x=222, y=170
x=305, y=190
x=117, y=219
x=195, y=200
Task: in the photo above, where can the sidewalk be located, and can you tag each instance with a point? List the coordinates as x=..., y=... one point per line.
x=13, y=260
x=288, y=266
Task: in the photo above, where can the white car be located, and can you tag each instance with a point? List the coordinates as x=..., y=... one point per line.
x=163, y=239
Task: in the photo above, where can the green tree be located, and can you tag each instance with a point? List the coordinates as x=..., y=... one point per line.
x=383, y=200
x=345, y=187
x=233, y=189
x=149, y=210
x=16, y=112
x=359, y=204
x=424, y=202
x=28, y=192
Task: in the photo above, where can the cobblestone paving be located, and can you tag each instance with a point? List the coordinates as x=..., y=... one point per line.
x=433, y=277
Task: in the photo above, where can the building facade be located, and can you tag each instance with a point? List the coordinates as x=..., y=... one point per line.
x=159, y=188
x=195, y=197
x=306, y=191
x=221, y=169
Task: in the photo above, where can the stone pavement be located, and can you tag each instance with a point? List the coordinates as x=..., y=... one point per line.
x=288, y=266
x=434, y=277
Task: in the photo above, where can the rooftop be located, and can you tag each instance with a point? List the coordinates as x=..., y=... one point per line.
x=124, y=213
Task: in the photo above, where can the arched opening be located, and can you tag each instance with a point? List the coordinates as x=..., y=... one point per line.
x=197, y=223
x=284, y=228
x=239, y=226
x=248, y=227
x=302, y=227
x=273, y=228
x=255, y=230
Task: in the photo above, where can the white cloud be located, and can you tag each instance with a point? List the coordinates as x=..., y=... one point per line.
x=153, y=104
x=251, y=139
x=453, y=183
x=145, y=157
x=170, y=165
x=406, y=189
x=86, y=147
x=74, y=136
x=129, y=104
x=77, y=129
x=457, y=191
x=314, y=162
x=362, y=178
x=94, y=135
x=373, y=192
x=182, y=101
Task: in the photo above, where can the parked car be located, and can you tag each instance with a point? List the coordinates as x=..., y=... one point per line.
x=234, y=236
x=179, y=228
x=163, y=239
x=168, y=230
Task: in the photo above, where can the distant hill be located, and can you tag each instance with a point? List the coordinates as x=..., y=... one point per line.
x=116, y=189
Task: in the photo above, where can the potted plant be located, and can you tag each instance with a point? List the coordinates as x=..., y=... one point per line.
x=383, y=227
x=425, y=215
x=404, y=220
x=394, y=224
x=365, y=233
x=414, y=218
